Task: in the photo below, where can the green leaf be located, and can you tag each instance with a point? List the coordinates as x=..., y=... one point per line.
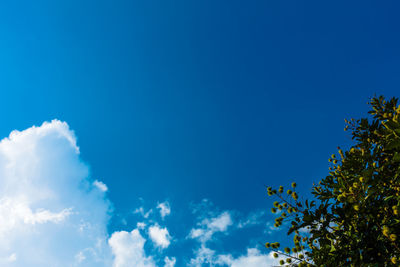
x=396, y=157
x=395, y=144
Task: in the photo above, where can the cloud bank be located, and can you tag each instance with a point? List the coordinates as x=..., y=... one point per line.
x=53, y=214
x=50, y=212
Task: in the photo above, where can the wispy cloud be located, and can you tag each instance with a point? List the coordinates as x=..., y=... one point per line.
x=142, y=212
x=253, y=258
x=100, y=185
x=254, y=218
x=208, y=226
x=164, y=208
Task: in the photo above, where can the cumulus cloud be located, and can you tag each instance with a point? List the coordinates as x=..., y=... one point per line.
x=50, y=212
x=164, y=208
x=128, y=249
x=159, y=236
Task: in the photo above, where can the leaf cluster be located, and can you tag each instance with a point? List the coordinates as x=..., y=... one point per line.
x=354, y=216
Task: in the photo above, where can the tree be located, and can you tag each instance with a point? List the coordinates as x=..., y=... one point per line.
x=353, y=218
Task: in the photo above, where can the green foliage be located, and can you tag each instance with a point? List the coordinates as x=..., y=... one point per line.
x=353, y=218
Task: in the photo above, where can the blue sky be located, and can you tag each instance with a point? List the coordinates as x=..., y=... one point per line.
x=197, y=104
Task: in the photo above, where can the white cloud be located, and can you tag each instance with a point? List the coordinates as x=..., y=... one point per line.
x=270, y=227
x=128, y=250
x=165, y=209
x=210, y=226
x=100, y=185
x=220, y=223
x=53, y=214
x=204, y=255
x=8, y=259
x=254, y=258
x=17, y=212
x=141, y=225
x=159, y=236
x=205, y=232
x=169, y=262
x=45, y=200
x=142, y=212
x=254, y=218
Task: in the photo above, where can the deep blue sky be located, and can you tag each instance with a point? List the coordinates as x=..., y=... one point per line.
x=185, y=100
